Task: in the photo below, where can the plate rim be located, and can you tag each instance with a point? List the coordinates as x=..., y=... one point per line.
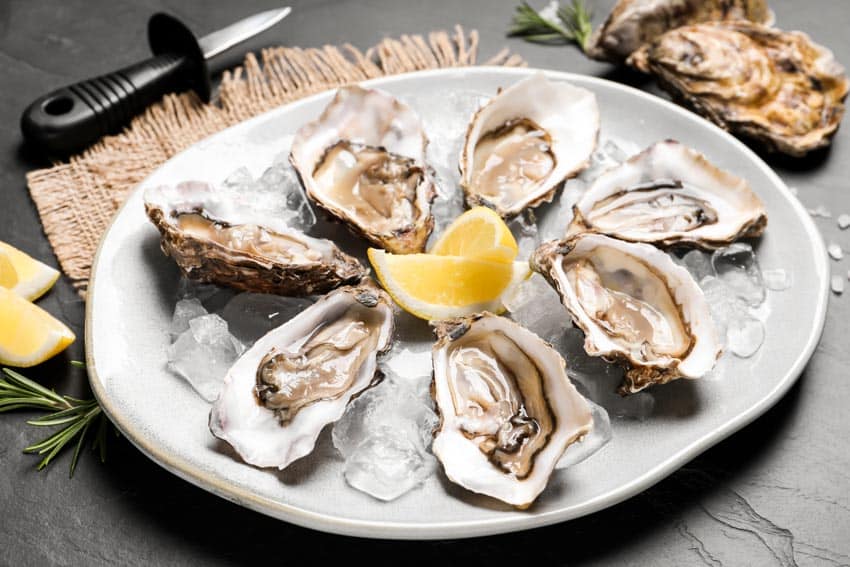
x=177, y=465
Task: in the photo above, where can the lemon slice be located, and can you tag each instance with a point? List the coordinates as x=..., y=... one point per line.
x=8, y=274
x=34, y=277
x=478, y=233
x=29, y=335
x=440, y=287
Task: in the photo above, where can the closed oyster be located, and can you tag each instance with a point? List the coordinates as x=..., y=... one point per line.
x=634, y=23
x=667, y=195
x=778, y=88
x=363, y=161
x=507, y=409
x=222, y=241
x=280, y=394
x=525, y=141
x=635, y=306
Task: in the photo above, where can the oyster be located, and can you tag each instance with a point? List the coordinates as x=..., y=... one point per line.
x=507, y=409
x=525, y=141
x=223, y=241
x=363, y=161
x=279, y=395
x=634, y=23
x=778, y=88
x=670, y=194
x=635, y=306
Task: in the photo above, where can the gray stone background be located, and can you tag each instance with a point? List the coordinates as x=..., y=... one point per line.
x=776, y=493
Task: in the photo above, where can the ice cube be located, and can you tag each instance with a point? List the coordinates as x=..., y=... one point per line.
x=387, y=464
x=698, y=263
x=723, y=302
x=249, y=316
x=385, y=436
x=835, y=252
x=605, y=157
x=212, y=297
x=598, y=437
x=279, y=193
x=447, y=206
x=776, y=279
x=184, y=311
x=744, y=336
x=239, y=180
x=537, y=307
x=737, y=266
x=524, y=229
x=820, y=211
x=843, y=221
x=204, y=353
x=836, y=283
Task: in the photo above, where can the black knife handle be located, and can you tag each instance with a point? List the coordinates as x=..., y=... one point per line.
x=73, y=117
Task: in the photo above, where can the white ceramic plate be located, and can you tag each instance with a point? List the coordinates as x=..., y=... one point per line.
x=131, y=298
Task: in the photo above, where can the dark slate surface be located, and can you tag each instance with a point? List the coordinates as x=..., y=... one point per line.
x=775, y=493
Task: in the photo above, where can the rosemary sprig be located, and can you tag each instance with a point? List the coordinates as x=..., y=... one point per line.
x=76, y=417
x=566, y=24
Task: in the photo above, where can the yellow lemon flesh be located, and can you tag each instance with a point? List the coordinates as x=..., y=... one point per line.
x=33, y=277
x=478, y=233
x=29, y=335
x=438, y=287
x=8, y=275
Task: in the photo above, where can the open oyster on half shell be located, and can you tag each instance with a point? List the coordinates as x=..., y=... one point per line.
x=280, y=394
x=229, y=243
x=634, y=23
x=507, y=409
x=775, y=87
x=634, y=305
x=363, y=161
x=668, y=195
x=525, y=142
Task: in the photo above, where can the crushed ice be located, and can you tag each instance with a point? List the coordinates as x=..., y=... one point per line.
x=836, y=283
x=385, y=437
x=820, y=212
x=834, y=250
x=844, y=221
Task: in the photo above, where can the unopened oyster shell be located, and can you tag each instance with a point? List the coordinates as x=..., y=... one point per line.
x=778, y=88
x=669, y=195
x=525, y=142
x=280, y=394
x=225, y=242
x=634, y=23
x=507, y=409
x=363, y=161
x=635, y=306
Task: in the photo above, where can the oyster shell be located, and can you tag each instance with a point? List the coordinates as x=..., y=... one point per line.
x=670, y=194
x=507, y=409
x=635, y=306
x=525, y=141
x=634, y=23
x=775, y=87
x=363, y=161
x=228, y=243
x=280, y=394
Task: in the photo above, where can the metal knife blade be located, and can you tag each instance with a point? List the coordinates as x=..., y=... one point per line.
x=217, y=42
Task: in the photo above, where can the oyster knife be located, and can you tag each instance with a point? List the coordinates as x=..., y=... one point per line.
x=73, y=117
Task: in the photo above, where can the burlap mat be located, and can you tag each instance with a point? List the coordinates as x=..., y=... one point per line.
x=77, y=199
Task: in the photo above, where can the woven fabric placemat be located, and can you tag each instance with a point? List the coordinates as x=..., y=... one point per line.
x=76, y=199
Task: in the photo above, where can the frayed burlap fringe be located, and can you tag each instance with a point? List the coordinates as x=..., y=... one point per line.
x=77, y=199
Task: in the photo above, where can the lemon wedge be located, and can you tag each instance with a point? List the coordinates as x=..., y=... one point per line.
x=8, y=274
x=33, y=277
x=437, y=287
x=29, y=335
x=478, y=233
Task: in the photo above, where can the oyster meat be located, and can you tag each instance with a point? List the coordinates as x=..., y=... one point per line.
x=280, y=394
x=525, y=141
x=507, y=409
x=667, y=195
x=777, y=88
x=634, y=23
x=363, y=161
x=634, y=305
x=222, y=241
